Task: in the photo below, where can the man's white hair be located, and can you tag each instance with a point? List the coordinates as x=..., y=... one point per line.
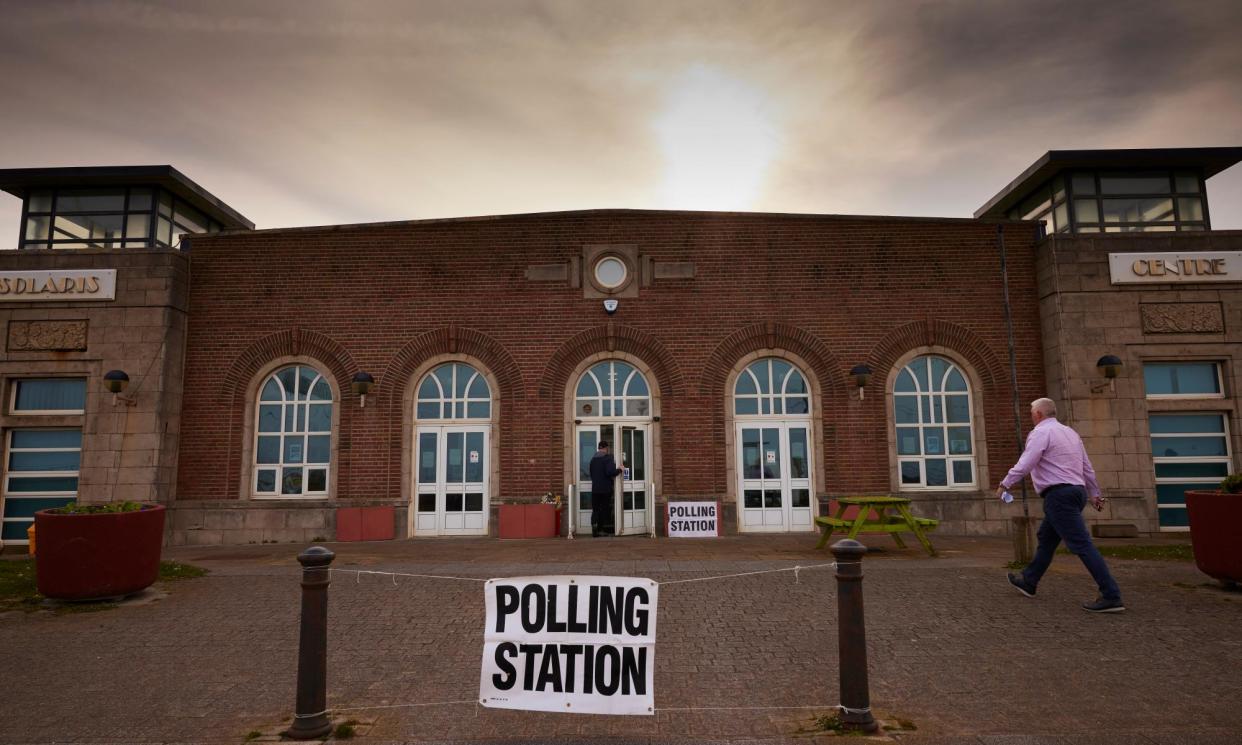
x=1045, y=406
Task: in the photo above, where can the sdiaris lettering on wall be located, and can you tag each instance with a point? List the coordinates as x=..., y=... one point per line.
x=583, y=645
x=58, y=285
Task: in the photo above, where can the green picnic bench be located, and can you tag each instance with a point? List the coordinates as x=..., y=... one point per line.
x=894, y=525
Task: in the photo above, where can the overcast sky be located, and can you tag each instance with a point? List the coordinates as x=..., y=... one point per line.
x=303, y=113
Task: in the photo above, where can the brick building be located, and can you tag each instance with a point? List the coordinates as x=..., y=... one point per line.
x=767, y=361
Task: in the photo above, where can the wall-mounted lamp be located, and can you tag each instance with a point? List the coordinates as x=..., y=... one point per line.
x=116, y=381
x=1108, y=365
x=861, y=374
x=361, y=386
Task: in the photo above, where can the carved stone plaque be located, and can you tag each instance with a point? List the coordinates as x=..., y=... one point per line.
x=1182, y=318
x=47, y=336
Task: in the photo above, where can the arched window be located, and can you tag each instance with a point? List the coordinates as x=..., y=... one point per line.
x=771, y=387
x=933, y=415
x=612, y=389
x=293, y=436
x=454, y=390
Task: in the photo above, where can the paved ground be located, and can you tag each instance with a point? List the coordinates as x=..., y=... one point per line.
x=953, y=649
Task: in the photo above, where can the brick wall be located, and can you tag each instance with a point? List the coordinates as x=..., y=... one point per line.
x=835, y=291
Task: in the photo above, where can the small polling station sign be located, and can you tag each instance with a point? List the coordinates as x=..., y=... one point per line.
x=693, y=519
x=582, y=645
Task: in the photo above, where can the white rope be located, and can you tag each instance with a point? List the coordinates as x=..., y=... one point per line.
x=311, y=716
x=741, y=708
x=359, y=572
x=794, y=569
x=404, y=706
x=848, y=710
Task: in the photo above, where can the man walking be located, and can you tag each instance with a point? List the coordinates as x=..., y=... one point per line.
x=1058, y=465
x=603, y=476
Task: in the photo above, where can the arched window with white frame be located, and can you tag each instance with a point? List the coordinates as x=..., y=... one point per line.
x=452, y=451
x=772, y=431
x=933, y=416
x=293, y=434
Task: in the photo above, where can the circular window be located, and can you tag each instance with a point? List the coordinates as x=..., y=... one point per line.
x=611, y=272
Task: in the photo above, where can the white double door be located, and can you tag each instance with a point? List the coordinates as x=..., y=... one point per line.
x=631, y=448
x=774, y=476
x=450, y=472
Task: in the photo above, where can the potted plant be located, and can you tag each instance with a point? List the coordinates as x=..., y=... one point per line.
x=540, y=519
x=1216, y=530
x=89, y=552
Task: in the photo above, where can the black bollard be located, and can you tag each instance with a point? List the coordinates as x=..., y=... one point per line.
x=310, y=715
x=852, y=638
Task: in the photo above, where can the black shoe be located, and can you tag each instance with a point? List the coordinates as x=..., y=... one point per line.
x=1100, y=605
x=1024, y=588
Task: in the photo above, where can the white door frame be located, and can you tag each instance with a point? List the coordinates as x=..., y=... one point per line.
x=626, y=522
x=786, y=517
x=442, y=521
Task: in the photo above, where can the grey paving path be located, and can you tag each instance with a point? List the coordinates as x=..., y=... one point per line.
x=953, y=649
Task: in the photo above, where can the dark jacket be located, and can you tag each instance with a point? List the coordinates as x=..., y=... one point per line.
x=603, y=471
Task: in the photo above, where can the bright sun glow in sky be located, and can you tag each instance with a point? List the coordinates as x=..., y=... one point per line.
x=718, y=135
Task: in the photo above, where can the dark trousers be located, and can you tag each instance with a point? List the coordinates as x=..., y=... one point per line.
x=1063, y=522
x=602, y=519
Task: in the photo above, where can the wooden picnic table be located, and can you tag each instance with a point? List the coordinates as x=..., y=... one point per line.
x=901, y=522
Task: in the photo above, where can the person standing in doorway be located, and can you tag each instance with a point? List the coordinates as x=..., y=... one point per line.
x=603, y=479
x=1057, y=463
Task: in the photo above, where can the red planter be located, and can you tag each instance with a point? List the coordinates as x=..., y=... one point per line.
x=1215, y=532
x=529, y=521
x=365, y=524
x=87, y=557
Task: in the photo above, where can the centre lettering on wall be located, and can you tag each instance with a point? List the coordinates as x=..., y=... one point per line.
x=581, y=645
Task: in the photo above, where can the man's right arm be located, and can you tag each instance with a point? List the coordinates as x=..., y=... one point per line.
x=1036, y=444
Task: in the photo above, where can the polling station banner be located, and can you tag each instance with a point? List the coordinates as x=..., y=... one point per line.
x=582, y=645
x=693, y=519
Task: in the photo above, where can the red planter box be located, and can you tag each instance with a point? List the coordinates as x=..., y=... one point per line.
x=365, y=524
x=529, y=521
x=1215, y=533
x=87, y=557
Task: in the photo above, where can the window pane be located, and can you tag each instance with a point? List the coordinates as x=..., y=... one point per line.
x=294, y=448
x=1208, y=423
x=271, y=391
x=751, y=457
x=910, y=472
x=937, y=474
x=88, y=227
x=291, y=482
x=318, y=448
x=798, y=468
x=268, y=450
x=800, y=498
x=933, y=441
x=137, y=226
x=322, y=391
x=639, y=464
x=453, y=502
x=47, y=438
x=1189, y=209
x=266, y=481
x=479, y=410
x=905, y=382
x=1192, y=470
x=1187, y=183
x=772, y=498
x=1176, y=493
x=745, y=385
x=1184, y=447
x=1180, y=378
x=638, y=407
x=427, y=458
x=426, y=503
x=637, y=386
x=797, y=405
x=1086, y=210
x=51, y=394
x=587, y=387
x=753, y=499
x=919, y=369
x=745, y=406
x=474, y=502
x=190, y=219
x=587, y=440
x=320, y=418
x=44, y=461
x=454, y=457
x=27, y=507
x=771, y=454
x=35, y=484
x=1153, y=183
x=796, y=383
x=584, y=500
x=959, y=440
x=959, y=408
x=40, y=201
x=938, y=368
x=474, y=457
x=429, y=390
x=316, y=480
x=962, y=472
x=479, y=389
x=1083, y=183
x=37, y=228
x=908, y=440
x=139, y=200
x=428, y=411
x=906, y=409
x=91, y=200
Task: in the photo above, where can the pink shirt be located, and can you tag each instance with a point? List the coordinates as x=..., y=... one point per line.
x=1054, y=455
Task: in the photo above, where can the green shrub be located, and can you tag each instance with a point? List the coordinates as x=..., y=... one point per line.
x=73, y=508
x=1232, y=484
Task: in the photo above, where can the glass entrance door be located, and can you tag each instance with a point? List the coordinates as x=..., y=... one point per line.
x=630, y=444
x=450, y=494
x=774, y=476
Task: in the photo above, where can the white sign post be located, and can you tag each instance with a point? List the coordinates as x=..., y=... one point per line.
x=693, y=519
x=582, y=645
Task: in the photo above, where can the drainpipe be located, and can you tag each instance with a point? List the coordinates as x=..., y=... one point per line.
x=1022, y=548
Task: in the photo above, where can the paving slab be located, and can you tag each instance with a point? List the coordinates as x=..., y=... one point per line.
x=750, y=658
